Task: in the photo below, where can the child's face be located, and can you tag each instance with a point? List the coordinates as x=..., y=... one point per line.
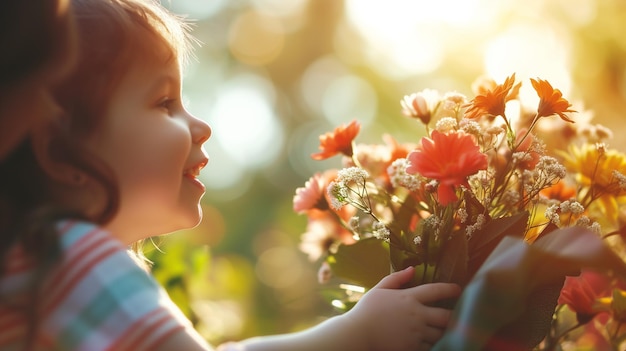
x=154, y=146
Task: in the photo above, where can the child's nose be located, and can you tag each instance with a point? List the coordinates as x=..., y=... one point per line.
x=200, y=131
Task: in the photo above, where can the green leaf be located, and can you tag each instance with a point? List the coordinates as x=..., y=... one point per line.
x=507, y=303
x=484, y=241
x=424, y=273
x=497, y=228
x=452, y=265
x=401, y=258
x=364, y=263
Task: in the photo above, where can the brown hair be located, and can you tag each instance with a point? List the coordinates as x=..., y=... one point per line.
x=112, y=36
x=37, y=39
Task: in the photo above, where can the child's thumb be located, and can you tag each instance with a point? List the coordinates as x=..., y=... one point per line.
x=396, y=280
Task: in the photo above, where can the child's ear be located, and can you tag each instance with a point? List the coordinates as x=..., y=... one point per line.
x=49, y=148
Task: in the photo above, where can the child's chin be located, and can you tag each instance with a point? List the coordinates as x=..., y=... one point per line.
x=193, y=220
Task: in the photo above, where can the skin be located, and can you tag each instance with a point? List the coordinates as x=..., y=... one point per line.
x=154, y=146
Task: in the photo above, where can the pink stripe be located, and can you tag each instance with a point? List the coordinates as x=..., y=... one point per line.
x=138, y=332
x=79, y=266
x=12, y=333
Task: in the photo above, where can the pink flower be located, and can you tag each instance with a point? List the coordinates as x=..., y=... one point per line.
x=309, y=196
x=313, y=194
x=449, y=159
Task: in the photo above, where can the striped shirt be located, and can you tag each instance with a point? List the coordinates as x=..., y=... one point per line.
x=96, y=298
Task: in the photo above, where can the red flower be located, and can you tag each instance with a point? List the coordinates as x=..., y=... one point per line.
x=551, y=100
x=448, y=158
x=492, y=101
x=338, y=142
x=580, y=294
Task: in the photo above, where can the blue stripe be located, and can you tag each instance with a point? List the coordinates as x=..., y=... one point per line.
x=101, y=306
x=77, y=231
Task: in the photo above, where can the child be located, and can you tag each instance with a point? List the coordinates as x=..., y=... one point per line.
x=119, y=167
x=37, y=42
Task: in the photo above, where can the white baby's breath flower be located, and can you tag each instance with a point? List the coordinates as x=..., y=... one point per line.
x=462, y=214
x=352, y=174
x=621, y=179
x=521, y=156
x=571, y=206
x=380, y=231
x=471, y=127
x=417, y=240
x=596, y=228
x=433, y=225
x=576, y=207
x=400, y=178
x=471, y=229
x=583, y=221
x=338, y=194
x=551, y=167
x=552, y=214
x=446, y=124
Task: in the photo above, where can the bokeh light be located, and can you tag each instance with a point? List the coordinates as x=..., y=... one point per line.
x=272, y=75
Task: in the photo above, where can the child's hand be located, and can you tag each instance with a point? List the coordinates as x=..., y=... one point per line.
x=390, y=318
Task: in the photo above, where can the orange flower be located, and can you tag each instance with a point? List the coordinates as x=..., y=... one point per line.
x=338, y=142
x=448, y=158
x=492, y=101
x=559, y=191
x=551, y=100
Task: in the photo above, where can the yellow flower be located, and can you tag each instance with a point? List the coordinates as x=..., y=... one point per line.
x=619, y=305
x=595, y=169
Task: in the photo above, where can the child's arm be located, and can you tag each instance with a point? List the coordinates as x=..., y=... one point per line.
x=386, y=318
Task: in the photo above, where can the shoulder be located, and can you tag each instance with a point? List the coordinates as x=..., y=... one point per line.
x=93, y=262
x=98, y=295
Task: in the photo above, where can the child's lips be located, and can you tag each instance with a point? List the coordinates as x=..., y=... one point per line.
x=193, y=172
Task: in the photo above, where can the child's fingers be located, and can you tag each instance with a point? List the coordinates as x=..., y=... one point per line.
x=431, y=335
x=428, y=293
x=438, y=317
x=396, y=280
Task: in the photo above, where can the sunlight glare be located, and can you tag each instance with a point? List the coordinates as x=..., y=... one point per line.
x=347, y=98
x=244, y=121
x=199, y=9
x=408, y=33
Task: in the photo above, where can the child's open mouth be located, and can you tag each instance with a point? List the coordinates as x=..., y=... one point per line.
x=193, y=172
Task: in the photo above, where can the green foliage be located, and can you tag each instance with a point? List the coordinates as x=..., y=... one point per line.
x=364, y=263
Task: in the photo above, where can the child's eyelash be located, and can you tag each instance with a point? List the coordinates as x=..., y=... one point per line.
x=167, y=103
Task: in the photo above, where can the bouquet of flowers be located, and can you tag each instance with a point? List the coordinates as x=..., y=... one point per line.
x=506, y=201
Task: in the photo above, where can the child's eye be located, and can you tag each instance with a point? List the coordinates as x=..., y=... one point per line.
x=167, y=104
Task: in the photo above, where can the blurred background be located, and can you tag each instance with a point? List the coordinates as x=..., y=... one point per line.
x=270, y=76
